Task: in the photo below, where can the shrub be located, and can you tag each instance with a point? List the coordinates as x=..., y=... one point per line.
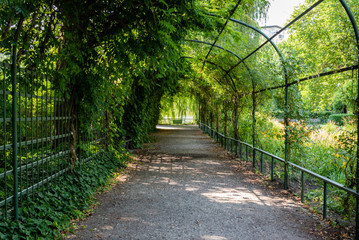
x=50, y=212
x=322, y=115
x=339, y=118
x=278, y=114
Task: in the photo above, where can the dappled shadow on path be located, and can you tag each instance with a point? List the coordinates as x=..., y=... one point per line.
x=187, y=188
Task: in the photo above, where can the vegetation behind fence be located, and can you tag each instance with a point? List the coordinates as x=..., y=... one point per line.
x=35, y=137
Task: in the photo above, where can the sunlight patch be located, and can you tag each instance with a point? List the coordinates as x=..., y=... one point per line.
x=207, y=237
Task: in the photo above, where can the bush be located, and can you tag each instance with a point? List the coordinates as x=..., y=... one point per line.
x=322, y=115
x=278, y=114
x=339, y=118
x=45, y=216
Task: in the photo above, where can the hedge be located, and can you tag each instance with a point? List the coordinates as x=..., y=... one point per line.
x=339, y=118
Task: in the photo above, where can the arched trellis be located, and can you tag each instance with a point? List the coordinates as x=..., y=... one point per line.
x=217, y=80
x=217, y=46
x=220, y=68
x=287, y=84
x=227, y=73
x=356, y=32
x=285, y=73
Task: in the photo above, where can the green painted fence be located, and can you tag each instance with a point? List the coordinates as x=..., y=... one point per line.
x=35, y=136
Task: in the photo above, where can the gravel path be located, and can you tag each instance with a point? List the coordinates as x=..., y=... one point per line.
x=186, y=187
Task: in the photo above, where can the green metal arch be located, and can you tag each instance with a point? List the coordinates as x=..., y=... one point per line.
x=356, y=32
x=219, y=67
x=214, y=45
x=231, y=52
x=265, y=36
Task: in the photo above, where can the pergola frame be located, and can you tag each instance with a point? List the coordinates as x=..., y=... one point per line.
x=288, y=84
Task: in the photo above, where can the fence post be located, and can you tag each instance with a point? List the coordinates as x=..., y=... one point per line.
x=357, y=163
x=217, y=123
x=286, y=125
x=325, y=196
x=254, y=126
x=14, y=119
x=199, y=114
x=14, y=132
x=302, y=187
x=225, y=124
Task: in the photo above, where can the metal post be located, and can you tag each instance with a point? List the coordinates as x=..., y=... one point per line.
x=286, y=124
x=14, y=119
x=302, y=190
x=272, y=170
x=199, y=114
x=325, y=193
x=217, y=121
x=356, y=32
x=236, y=148
x=253, y=126
x=262, y=163
x=14, y=132
x=211, y=121
x=357, y=170
x=225, y=121
x=240, y=151
x=246, y=152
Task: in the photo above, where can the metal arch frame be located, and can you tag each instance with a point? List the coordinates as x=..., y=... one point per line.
x=356, y=32
x=219, y=67
x=205, y=60
x=285, y=72
x=261, y=33
x=231, y=52
x=286, y=118
x=217, y=46
x=227, y=73
x=219, y=34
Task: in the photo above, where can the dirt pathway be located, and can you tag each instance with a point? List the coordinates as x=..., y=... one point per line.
x=188, y=188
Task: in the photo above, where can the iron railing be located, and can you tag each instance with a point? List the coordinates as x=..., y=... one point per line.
x=34, y=137
x=246, y=151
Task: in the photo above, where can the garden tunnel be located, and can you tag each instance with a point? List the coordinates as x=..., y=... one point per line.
x=85, y=86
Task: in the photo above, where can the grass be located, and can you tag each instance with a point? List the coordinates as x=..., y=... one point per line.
x=324, y=149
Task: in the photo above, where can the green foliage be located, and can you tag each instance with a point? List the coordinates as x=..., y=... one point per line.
x=178, y=106
x=123, y=62
x=324, y=40
x=341, y=118
x=320, y=114
x=278, y=114
x=48, y=213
